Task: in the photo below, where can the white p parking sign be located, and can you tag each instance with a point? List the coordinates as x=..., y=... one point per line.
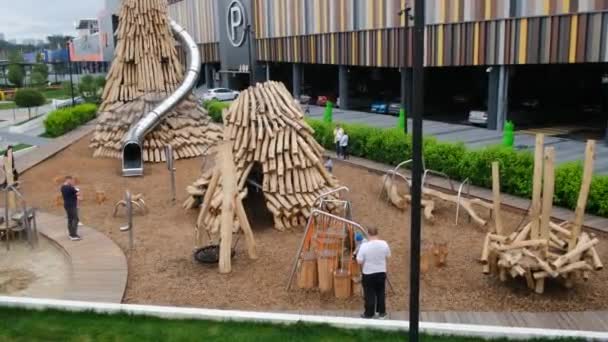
x=236, y=22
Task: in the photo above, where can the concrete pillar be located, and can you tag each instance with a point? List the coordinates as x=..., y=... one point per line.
x=208, y=70
x=343, y=86
x=604, y=103
x=296, y=71
x=406, y=89
x=498, y=95
x=267, y=71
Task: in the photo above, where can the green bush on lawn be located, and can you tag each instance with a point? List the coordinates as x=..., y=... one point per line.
x=391, y=146
x=63, y=120
x=215, y=109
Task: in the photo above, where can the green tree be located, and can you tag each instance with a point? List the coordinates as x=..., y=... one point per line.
x=91, y=88
x=40, y=71
x=16, y=74
x=28, y=98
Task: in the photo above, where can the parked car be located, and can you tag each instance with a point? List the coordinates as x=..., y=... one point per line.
x=321, y=100
x=380, y=107
x=386, y=107
x=220, y=94
x=478, y=117
x=394, y=107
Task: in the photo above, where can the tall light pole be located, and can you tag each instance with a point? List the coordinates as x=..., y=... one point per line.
x=406, y=88
x=417, y=112
x=70, y=71
x=249, y=32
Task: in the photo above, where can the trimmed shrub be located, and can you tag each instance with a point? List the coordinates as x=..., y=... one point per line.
x=215, y=109
x=64, y=120
x=392, y=146
x=28, y=98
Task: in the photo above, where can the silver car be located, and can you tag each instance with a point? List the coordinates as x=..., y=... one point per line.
x=478, y=117
x=220, y=94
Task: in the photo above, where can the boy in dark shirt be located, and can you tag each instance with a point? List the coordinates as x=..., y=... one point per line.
x=70, y=204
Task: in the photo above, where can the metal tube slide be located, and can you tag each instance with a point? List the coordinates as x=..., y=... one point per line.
x=132, y=157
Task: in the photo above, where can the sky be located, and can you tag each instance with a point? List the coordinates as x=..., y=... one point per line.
x=37, y=19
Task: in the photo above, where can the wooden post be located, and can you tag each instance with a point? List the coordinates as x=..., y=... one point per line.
x=496, y=197
x=537, y=185
x=206, y=204
x=579, y=215
x=547, y=207
x=548, y=189
x=227, y=168
x=246, y=227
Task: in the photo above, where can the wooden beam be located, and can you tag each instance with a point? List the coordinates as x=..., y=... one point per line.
x=229, y=192
x=537, y=185
x=496, y=197
x=548, y=190
x=246, y=227
x=579, y=215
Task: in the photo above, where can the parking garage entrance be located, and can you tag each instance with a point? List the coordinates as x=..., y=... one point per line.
x=566, y=100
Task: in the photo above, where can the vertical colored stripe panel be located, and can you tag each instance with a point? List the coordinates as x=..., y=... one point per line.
x=573, y=37
x=523, y=39
x=581, y=38
x=440, y=45
x=476, y=44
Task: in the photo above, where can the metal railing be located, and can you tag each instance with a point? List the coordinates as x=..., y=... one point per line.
x=27, y=222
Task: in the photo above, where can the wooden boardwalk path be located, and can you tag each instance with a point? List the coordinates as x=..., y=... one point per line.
x=98, y=265
x=585, y=321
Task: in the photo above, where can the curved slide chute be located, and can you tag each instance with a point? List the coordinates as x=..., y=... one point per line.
x=132, y=156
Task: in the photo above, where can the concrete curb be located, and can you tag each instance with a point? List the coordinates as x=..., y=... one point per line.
x=281, y=318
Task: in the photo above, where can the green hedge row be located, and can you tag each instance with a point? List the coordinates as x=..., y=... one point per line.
x=63, y=120
x=215, y=109
x=392, y=146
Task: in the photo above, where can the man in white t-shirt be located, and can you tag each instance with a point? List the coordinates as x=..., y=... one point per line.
x=344, y=145
x=338, y=132
x=373, y=256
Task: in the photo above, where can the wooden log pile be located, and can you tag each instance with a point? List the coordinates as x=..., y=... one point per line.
x=267, y=132
x=145, y=70
x=543, y=249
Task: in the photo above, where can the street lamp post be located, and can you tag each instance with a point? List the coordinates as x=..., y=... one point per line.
x=70, y=71
x=249, y=32
x=404, y=85
x=416, y=191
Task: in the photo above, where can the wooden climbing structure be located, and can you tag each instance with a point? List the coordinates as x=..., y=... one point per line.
x=543, y=249
x=145, y=70
x=268, y=136
x=325, y=260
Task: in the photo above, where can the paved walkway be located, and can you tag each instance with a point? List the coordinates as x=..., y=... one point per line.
x=474, y=137
x=52, y=147
x=98, y=265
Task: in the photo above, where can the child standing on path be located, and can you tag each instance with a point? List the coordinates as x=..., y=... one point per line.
x=344, y=146
x=338, y=133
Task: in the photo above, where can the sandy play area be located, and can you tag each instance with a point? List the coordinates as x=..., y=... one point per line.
x=162, y=270
x=41, y=272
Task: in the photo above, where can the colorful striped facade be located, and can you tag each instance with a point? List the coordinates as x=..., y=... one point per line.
x=370, y=32
x=285, y=18
x=199, y=18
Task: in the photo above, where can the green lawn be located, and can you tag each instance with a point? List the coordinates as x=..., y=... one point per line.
x=9, y=105
x=16, y=148
x=23, y=325
x=60, y=93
